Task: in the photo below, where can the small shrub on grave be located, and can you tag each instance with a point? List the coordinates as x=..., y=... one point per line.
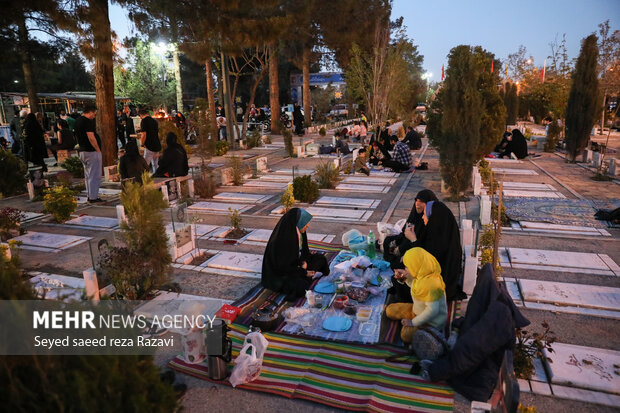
x=505, y=220
x=221, y=148
x=9, y=223
x=322, y=131
x=64, y=178
x=205, y=186
x=288, y=199
x=305, y=189
x=530, y=346
x=288, y=141
x=13, y=171
x=235, y=223
x=528, y=133
x=553, y=136
x=60, y=202
x=347, y=168
x=132, y=282
x=327, y=175
x=254, y=139
x=74, y=166
x=236, y=163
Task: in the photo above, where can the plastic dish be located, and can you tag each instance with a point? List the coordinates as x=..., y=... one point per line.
x=337, y=323
x=340, y=301
x=325, y=288
x=367, y=329
x=364, y=313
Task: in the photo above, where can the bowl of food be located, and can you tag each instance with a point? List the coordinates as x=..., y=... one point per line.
x=340, y=301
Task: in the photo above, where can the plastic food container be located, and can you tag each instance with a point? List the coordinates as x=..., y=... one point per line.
x=364, y=313
x=340, y=301
x=350, y=308
x=318, y=301
x=367, y=329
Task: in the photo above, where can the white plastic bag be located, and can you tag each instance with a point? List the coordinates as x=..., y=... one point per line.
x=258, y=341
x=385, y=230
x=247, y=366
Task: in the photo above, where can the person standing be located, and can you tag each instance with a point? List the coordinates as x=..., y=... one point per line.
x=120, y=128
x=34, y=139
x=128, y=122
x=16, y=131
x=66, y=140
x=149, y=138
x=90, y=151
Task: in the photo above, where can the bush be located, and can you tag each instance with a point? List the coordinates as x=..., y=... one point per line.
x=235, y=219
x=9, y=222
x=236, y=164
x=64, y=179
x=205, y=186
x=74, y=166
x=327, y=175
x=254, y=140
x=322, y=131
x=145, y=235
x=288, y=141
x=553, y=136
x=530, y=346
x=221, y=147
x=13, y=171
x=60, y=202
x=288, y=199
x=305, y=189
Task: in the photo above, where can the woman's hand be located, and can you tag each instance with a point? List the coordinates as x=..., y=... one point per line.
x=310, y=274
x=400, y=275
x=304, y=265
x=406, y=322
x=409, y=234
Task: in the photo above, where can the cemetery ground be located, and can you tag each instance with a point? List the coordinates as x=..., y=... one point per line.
x=529, y=256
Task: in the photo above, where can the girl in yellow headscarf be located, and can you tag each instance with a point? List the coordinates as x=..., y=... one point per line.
x=423, y=274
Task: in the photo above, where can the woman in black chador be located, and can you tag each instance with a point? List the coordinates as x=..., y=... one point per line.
x=35, y=141
x=288, y=264
x=516, y=144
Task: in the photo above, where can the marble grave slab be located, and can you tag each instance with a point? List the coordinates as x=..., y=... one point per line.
x=56, y=287
x=298, y=172
x=561, y=261
x=92, y=221
x=218, y=207
x=350, y=202
x=30, y=216
x=585, y=367
x=262, y=235
x=47, y=241
x=257, y=183
x=544, y=226
x=278, y=178
x=236, y=261
x=363, y=188
x=532, y=194
x=333, y=214
x=529, y=186
x=583, y=295
x=508, y=171
x=502, y=160
x=241, y=197
x=371, y=180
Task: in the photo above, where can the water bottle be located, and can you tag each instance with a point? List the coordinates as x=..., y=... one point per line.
x=371, y=245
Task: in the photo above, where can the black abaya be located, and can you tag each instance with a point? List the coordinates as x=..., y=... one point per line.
x=282, y=263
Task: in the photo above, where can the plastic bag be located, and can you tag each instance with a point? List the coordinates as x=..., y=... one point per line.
x=385, y=230
x=247, y=366
x=349, y=235
x=259, y=341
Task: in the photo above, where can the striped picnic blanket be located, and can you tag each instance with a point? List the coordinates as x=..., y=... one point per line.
x=346, y=376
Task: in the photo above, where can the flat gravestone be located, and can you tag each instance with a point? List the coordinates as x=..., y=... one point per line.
x=601, y=263
x=29, y=216
x=529, y=186
x=236, y=261
x=109, y=191
x=257, y=183
x=277, y=178
x=529, y=225
x=217, y=207
x=55, y=287
x=262, y=235
x=334, y=214
x=200, y=230
x=506, y=171
x=241, y=197
x=532, y=194
x=501, y=160
x=298, y=172
x=585, y=367
x=363, y=188
x=371, y=180
x=382, y=173
x=50, y=241
x=91, y=221
x=350, y=202
x=582, y=295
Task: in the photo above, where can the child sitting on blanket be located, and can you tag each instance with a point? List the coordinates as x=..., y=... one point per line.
x=360, y=162
x=423, y=274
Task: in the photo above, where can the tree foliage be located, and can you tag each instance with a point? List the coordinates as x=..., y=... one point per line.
x=145, y=80
x=467, y=115
x=583, y=101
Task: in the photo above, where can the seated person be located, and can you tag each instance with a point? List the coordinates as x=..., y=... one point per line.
x=391, y=251
x=502, y=145
x=377, y=153
x=401, y=158
x=360, y=162
x=517, y=145
x=440, y=237
x=422, y=274
x=341, y=144
x=173, y=161
x=132, y=165
x=288, y=264
x=413, y=139
x=66, y=140
x=355, y=131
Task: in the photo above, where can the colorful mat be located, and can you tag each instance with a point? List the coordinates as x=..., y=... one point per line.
x=344, y=376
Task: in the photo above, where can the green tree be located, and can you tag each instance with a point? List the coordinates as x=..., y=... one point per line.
x=145, y=80
x=583, y=102
x=467, y=115
x=609, y=65
x=511, y=102
x=518, y=64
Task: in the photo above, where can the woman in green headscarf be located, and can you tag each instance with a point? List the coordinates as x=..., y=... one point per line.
x=422, y=274
x=288, y=264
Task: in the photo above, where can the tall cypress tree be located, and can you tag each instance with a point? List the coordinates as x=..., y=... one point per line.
x=454, y=123
x=583, y=101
